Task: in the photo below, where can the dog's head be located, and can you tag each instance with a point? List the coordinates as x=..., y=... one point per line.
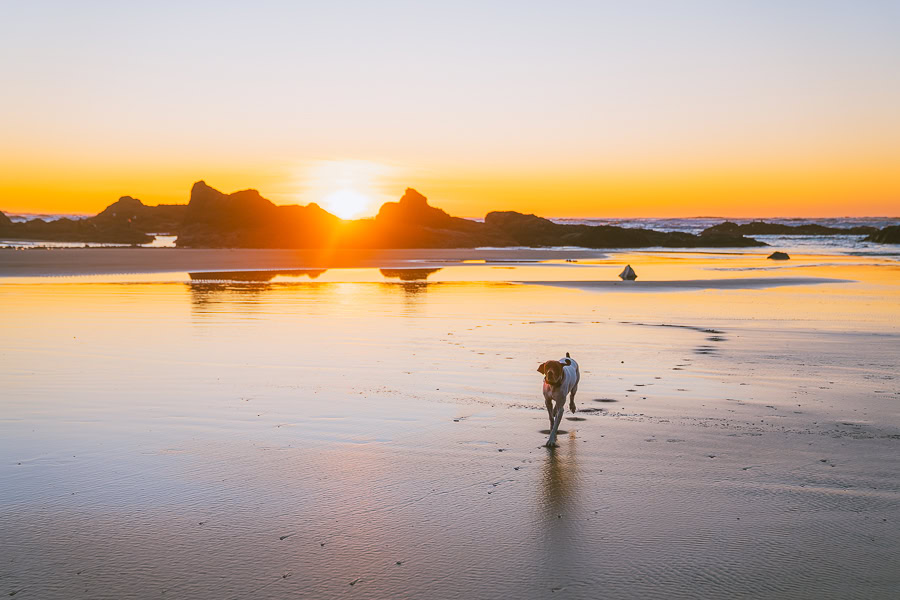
x=552, y=371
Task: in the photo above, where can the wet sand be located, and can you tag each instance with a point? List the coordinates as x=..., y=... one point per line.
x=362, y=435
x=743, y=283
x=100, y=261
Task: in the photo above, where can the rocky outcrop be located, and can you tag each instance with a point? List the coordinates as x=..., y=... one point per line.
x=413, y=223
x=413, y=210
x=779, y=256
x=518, y=229
x=512, y=228
x=162, y=219
x=888, y=235
x=764, y=228
x=75, y=230
x=247, y=220
x=5, y=223
x=126, y=221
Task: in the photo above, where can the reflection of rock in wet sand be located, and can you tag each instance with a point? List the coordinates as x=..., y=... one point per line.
x=205, y=293
x=214, y=286
x=413, y=281
x=408, y=274
x=254, y=276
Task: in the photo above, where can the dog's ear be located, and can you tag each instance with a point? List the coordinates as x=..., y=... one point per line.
x=542, y=368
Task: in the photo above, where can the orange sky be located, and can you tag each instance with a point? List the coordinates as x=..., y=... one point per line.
x=557, y=193
x=711, y=109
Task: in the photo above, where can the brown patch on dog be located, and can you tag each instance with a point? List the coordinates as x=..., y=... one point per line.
x=552, y=371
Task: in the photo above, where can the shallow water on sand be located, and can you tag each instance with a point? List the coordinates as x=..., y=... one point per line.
x=367, y=434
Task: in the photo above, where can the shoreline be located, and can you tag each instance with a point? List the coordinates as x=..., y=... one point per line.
x=113, y=261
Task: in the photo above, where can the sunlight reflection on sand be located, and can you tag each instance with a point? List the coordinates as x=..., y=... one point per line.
x=285, y=433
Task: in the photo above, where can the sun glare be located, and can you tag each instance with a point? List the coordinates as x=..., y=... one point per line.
x=346, y=203
x=349, y=189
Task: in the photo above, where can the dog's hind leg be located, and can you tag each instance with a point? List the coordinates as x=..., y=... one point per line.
x=572, y=399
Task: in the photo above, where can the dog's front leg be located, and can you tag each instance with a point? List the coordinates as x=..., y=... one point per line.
x=549, y=403
x=560, y=409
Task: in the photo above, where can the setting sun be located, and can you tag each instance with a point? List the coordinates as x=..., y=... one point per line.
x=346, y=203
x=346, y=188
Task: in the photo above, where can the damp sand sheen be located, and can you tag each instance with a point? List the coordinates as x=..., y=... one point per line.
x=246, y=425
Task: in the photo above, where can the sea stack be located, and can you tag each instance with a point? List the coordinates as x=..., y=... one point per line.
x=779, y=256
x=628, y=274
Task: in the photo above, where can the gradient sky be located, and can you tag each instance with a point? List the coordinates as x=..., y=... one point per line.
x=741, y=108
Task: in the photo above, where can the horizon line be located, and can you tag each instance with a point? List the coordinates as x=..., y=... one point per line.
x=582, y=218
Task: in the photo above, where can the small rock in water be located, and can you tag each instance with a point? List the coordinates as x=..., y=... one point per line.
x=628, y=274
x=779, y=256
x=355, y=581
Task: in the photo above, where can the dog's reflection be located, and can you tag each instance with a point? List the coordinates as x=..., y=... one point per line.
x=559, y=523
x=559, y=476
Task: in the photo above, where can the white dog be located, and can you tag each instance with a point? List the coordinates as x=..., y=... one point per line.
x=561, y=379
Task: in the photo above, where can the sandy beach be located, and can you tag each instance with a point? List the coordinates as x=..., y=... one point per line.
x=100, y=261
x=350, y=431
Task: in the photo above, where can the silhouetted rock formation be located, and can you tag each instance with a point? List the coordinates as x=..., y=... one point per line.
x=628, y=274
x=413, y=223
x=779, y=256
x=413, y=210
x=75, y=230
x=247, y=220
x=162, y=219
x=763, y=228
x=888, y=235
x=531, y=230
x=126, y=221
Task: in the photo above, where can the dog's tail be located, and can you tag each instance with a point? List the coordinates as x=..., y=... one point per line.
x=567, y=355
